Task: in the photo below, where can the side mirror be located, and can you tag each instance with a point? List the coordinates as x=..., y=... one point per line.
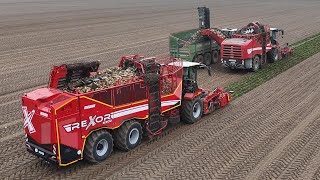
x=202, y=66
x=207, y=67
x=209, y=70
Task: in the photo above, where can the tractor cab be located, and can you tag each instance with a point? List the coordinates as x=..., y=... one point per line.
x=274, y=34
x=190, y=73
x=198, y=101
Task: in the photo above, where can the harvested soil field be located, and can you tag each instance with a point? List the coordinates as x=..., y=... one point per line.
x=34, y=35
x=270, y=132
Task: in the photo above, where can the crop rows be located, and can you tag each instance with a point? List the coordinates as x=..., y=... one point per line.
x=220, y=132
x=32, y=43
x=234, y=153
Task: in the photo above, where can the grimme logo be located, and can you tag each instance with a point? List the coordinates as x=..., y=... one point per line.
x=93, y=120
x=28, y=119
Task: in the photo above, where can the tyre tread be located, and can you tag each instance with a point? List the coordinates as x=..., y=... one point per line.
x=88, y=149
x=186, y=108
x=121, y=136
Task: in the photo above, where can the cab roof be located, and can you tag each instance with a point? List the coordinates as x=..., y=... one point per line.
x=185, y=64
x=229, y=29
x=190, y=64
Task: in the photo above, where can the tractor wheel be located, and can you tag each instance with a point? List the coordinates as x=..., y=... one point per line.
x=273, y=55
x=128, y=136
x=255, y=63
x=207, y=59
x=191, y=110
x=215, y=56
x=199, y=59
x=98, y=147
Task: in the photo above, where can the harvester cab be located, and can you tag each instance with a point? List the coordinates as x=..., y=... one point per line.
x=196, y=100
x=274, y=34
x=190, y=74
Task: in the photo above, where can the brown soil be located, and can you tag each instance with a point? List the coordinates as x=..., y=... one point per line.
x=270, y=132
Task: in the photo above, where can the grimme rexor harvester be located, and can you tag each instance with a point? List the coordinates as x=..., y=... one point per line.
x=68, y=121
x=250, y=47
x=247, y=48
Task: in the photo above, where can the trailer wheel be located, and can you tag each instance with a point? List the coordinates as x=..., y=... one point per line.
x=215, y=56
x=255, y=63
x=207, y=59
x=199, y=59
x=273, y=55
x=98, y=147
x=128, y=136
x=191, y=110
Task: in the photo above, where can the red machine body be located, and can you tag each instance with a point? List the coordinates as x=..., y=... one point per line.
x=250, y=47
x=58, y=122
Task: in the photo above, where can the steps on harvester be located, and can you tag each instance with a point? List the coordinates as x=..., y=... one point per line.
x=264, y=45
x=154, y=101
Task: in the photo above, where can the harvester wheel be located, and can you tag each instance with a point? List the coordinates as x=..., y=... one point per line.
x=191, y=110
x=199, y=59
x=215, y=56
x=98, y=147
x=255, y=63
x=207, y=59
x=273, y=55
x=128, y=136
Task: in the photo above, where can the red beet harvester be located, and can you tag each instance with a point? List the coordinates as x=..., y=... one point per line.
x=250, y=47
x=63, y=125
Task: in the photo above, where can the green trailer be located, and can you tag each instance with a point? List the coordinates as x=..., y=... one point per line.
x=190, y=46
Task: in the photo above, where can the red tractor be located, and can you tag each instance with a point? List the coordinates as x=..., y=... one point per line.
x=74, y=118
x=250, y=47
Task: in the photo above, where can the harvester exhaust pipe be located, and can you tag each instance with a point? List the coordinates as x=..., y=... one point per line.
x=204, y=17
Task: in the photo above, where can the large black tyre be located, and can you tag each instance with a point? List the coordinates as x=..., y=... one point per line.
x=215, y=56
x=199, y=59
x=128, y=136
x=207, y=59
x=191, y=110
x=273, y=55
x=255, y=63
x=98, y=147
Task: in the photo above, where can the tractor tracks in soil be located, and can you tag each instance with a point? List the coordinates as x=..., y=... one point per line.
x=231, y=153
x=231, y=143
x=34, y=43
x=275, y=139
